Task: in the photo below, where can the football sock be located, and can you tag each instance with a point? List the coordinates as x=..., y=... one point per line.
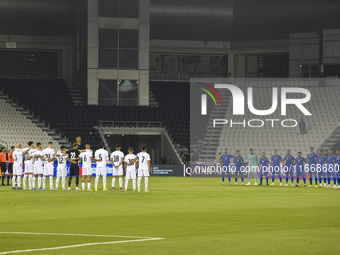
x=8, y=179
x=51, y=182
x=2, y=179
x=229, y=178
x=255, y=174
x=267, y=180
x=63, y=180
x=261, y=179
x=134, y=184
x=329, y=180
x=19, y=181
x=89, y=185
x=292, y=179
x=316, y=181
x=304, y=181
x=310, y=181
x=13, y=181
x=120, y=183
x=223, y=178
x=83, y=184
x=273, y=179
x=139, y=182
x=126, y=184
x=96, y=182
x=113, y=182
x=44, y=182
x=287, y=180
x=24, y=181
x=104, y=182
x=146, y=180
x=77, y=181
x=297, y=180
x=57, y=182
x=280, y=179
x=242, y=179
x=30, y=178
x=33, y=182
x=69, y=181
x=39, y=181
x=235, y=180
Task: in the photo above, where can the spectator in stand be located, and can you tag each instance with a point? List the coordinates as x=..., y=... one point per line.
x=302, y=126
x=78, y=140
x=10, y=166
x=163, y=160
x=3, y=160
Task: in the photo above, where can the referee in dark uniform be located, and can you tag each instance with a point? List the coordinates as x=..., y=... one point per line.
x=3, y=159
x=73, y=157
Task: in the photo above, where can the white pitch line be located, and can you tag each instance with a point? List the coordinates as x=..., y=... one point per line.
x=79, y=245
x=66, y=234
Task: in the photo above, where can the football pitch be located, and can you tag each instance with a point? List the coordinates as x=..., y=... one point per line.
x=178, y=216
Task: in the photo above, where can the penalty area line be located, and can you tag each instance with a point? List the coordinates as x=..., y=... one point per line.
x=80, y=245
x=67, y=234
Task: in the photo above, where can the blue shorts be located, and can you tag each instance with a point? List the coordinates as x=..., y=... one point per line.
x=312, y=168
x=276, y=169
x=287, y=170
x=300, y=171
x=238, y=170
x=226, y=169
x=264, y=171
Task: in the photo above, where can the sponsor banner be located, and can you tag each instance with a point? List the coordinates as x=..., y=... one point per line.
x=166, y=170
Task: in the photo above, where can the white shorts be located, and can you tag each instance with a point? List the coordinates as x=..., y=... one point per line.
x=87, y=170
x=48, y=169
x=61, y=171
x=101, y=170
x=130, y=175
x=17, y=170
x=117, y=171
x=38, y=169
x=143, y=173
x=29, y=167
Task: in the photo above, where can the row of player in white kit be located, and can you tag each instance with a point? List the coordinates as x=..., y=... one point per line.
x=35, y=158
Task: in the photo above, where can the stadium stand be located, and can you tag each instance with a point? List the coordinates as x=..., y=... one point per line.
x=50, y=99
x=12, y=131
x=319, y=127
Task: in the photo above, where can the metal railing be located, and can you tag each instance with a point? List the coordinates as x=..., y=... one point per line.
x=132, y=124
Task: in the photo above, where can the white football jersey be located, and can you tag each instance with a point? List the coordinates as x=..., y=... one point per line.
x=117, y=157
x=28, y=154
x=38, y=161
x=103, y=155
x=17, y=157
x=61, y=159
x=86, y=158
x=128, y=158
x=48, y=153
x=143, y=158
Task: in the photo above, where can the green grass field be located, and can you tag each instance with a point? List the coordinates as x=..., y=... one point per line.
x=192, y=215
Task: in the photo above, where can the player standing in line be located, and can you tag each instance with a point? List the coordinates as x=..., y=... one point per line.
x=275, y=159
x=288, y=169
x=264, y=167
x=101, y=155
x=61, y=168
x=312, y=158
x=10, y=165
x=300, y=169
x=225, y=164
x=143, y=168
x=48, y=157
x=17, y=166
x=38, y=166
x=336, y=169
x=322, y=168
x=28, y=165
x=238, y=160
x=330, y=166
x=253, y=160
x=130, y=170
x=117, y=159
x=3, y=160
x=86, y=157
x=73, y=157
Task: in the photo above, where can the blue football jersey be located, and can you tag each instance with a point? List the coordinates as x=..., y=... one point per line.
x=225, y=158
x=312, y=158
x=238, y=162
x=263, y=162
x=276, y=160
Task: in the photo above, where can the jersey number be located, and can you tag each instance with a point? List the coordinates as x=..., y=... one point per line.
x=73, y=155
x=143, y=159
x=61, y=160
x=116, y=158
